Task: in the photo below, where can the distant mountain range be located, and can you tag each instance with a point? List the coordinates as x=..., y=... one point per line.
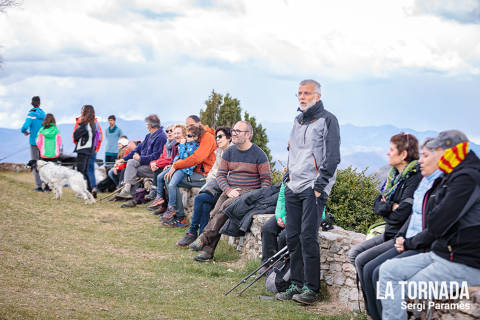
x=361, y=147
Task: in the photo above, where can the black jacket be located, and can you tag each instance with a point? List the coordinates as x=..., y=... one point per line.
x=455, y=217
x=85, y=138
x=241, y=211
x=404, y=197
x=424, y=239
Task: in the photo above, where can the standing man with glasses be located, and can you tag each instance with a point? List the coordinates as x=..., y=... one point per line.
x=314, y=154
x=244, y=167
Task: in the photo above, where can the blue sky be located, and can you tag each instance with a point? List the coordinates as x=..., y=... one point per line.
x=413, y=64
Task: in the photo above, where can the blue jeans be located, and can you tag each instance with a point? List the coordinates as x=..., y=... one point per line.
x=202, y=205
x=91, y=170
x=171, y=186
x=113, y=177
x=420, y=267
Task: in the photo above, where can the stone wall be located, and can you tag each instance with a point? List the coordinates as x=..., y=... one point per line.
x=336, y=271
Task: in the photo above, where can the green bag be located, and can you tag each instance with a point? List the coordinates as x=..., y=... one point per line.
x=376, y=229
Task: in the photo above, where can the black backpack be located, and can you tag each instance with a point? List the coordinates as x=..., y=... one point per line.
x=279, y=279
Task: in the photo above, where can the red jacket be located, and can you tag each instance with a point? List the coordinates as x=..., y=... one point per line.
x=164, y=161
x=99, y=129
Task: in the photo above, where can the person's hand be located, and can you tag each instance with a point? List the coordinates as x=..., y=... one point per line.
x=183, y=140
x=395, y=206
x=115, y=170
x=234, y=193
x=399, y=244
x=26, y=133
x=280, y=223
x=317, y=194
x=136, y=156
x=384, y=199
x=119, y=162
x=153, y=166
x=169, y=174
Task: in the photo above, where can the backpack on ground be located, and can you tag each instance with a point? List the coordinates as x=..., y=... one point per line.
x=279, y=279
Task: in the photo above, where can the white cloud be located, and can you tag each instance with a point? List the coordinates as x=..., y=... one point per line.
x=134, y=56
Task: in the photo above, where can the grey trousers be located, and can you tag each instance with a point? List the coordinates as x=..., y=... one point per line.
x=420, y=267
x=366, y=251
x=133, y=170
x=35, y=155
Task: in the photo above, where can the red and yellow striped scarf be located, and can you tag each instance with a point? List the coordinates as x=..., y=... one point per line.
x=452, y=157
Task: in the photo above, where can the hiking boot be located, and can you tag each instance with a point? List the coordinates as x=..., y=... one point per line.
x=94, y=193
x=187, y=239
x=169, y=214
x=47, y=188
x=38, y=189
x=307, y=296
x=203, y=257
x=159, y=212
x=289, y=293
x=129, y=204
x=156, y=203
x=175, y=222
x=124, y=194
x=151, y=195
x=196, y=245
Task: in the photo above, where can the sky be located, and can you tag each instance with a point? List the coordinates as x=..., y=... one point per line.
x=409, y=63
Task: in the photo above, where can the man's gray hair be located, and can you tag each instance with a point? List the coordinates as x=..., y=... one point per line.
x=317, y=85
x=153, y=121
x=249, y=126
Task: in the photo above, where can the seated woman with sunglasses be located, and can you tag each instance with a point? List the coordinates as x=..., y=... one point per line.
x=208, y=195
x=394, y=203
x=168, y=154
x=186, y=148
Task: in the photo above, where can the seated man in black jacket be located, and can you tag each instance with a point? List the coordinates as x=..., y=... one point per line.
x=454, y=221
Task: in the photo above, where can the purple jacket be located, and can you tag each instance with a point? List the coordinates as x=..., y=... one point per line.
x=151, y=147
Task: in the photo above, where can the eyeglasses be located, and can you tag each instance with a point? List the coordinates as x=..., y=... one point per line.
x=191, y=135
x=220, y=136
x=169, y=130
x=236, y=131
x=305, y=93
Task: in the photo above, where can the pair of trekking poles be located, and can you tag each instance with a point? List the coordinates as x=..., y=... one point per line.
x=267, y=266
x=326, y=224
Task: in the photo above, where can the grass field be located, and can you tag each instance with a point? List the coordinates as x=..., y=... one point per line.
x=63, y=259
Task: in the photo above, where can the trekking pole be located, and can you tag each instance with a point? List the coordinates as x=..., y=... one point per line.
x=111, y=194
x=263, y=273
x=271, y=259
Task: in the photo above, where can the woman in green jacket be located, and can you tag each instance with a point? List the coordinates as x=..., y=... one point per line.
x=49, y=139
x=274, y=235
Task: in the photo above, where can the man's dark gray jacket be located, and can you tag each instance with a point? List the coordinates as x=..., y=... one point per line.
x=314, y=150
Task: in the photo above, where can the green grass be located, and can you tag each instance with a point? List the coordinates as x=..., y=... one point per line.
x=63, y=259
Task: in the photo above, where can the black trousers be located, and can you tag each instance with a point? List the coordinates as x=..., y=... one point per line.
x=371, y=276
x=274, y=238
x=82, y=166
x=304, y=214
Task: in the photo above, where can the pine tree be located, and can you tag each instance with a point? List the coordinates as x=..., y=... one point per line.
x=229, y=112
x=209, y=116
x=259, y=137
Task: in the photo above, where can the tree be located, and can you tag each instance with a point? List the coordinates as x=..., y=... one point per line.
x=229, y=112
x=259, y=135
x=209, y=116
x=351, y=200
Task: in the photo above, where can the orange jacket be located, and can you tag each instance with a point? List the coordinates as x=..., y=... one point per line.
x=204, y=156
x=99, y=129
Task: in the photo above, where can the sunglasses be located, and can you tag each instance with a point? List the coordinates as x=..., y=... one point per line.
x=220, y=136
x=168, y=130
x=191, y=135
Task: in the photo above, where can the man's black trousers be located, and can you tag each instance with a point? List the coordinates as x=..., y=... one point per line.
x=304, y=214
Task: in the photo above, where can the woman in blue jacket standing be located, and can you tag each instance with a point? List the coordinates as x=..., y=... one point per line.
x=32, y=124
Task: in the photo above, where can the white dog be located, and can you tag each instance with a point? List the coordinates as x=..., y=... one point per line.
x=57, y=176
